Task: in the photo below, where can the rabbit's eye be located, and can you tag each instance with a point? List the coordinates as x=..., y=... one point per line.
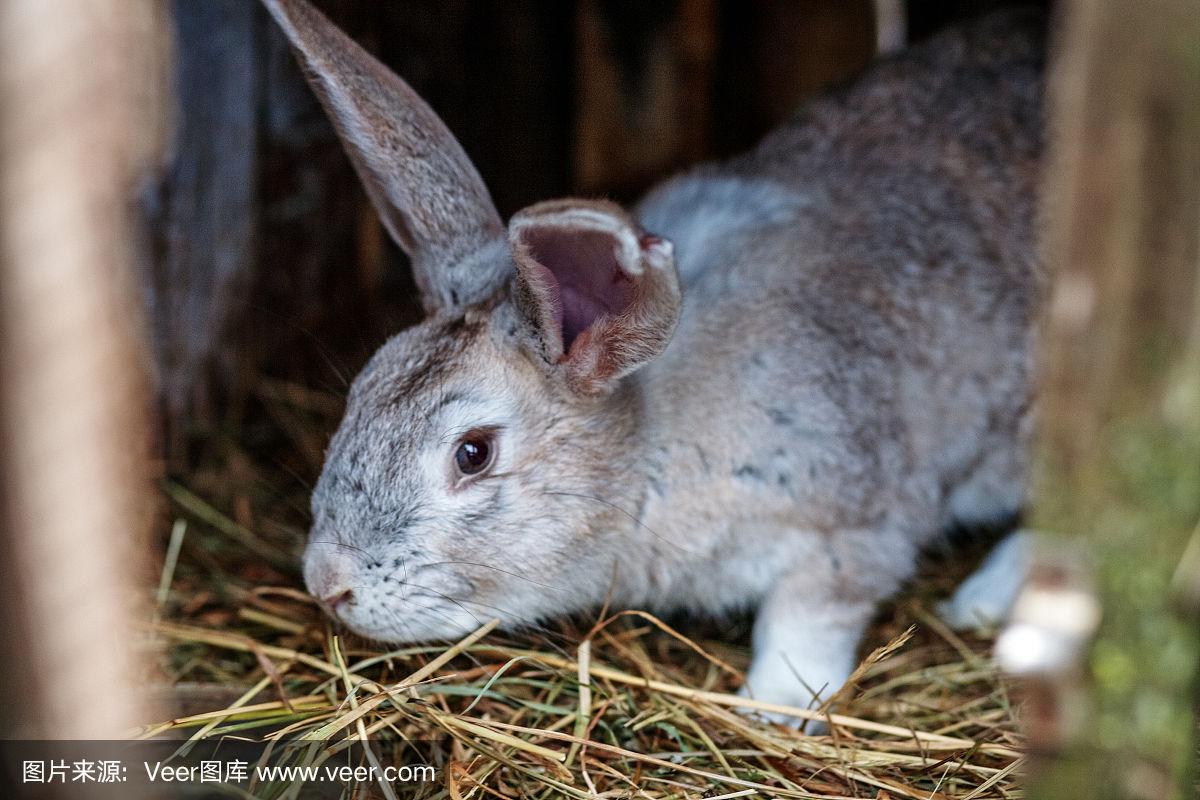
x=474, y=453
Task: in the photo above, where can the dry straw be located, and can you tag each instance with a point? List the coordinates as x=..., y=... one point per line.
x=628, y=709
x=624, y=707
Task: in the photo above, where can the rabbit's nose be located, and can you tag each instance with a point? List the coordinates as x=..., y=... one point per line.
x=336, y=598
x=329, y=580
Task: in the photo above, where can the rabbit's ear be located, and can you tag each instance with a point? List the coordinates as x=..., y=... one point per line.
x=602, y=296
x=427, y=191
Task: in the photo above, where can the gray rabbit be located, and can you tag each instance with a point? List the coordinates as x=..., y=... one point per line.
x=770, y=385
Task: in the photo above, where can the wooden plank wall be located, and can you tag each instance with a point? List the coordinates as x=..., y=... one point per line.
x=265, y=257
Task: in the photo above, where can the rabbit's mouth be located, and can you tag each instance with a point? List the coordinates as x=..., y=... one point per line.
x=390, y=612
x=390, y=599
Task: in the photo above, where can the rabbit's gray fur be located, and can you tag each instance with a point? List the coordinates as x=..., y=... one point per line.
x=847, y=374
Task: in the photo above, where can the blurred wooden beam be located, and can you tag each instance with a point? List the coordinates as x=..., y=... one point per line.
x=1120, y=409
x=80, y=116
x=891, y=26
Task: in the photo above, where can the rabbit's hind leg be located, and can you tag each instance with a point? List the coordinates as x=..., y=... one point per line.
x=985, y=597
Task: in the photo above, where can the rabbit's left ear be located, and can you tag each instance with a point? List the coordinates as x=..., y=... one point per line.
x=602, y=295
x=427, y=192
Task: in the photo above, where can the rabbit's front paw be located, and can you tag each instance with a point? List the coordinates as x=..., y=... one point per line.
x=788, y=679
x=801, y=701
x=803, y=652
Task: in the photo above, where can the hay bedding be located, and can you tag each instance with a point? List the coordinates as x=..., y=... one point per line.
x=624, y=707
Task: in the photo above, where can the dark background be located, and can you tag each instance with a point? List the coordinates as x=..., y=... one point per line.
x=266, y=270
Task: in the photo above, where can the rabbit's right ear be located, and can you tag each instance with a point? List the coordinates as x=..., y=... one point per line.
x=601, y=295
x=426, y=190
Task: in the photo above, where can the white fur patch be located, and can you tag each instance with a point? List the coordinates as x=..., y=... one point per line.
x=803, y=654
x=986, y=596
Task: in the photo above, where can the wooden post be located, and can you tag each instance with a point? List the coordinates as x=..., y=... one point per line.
x=80, y=114
x=1120, y=399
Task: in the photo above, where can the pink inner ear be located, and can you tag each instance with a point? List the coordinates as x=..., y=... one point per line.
x=590, y=281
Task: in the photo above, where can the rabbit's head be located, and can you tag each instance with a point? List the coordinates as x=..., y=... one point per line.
x=475, y=472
